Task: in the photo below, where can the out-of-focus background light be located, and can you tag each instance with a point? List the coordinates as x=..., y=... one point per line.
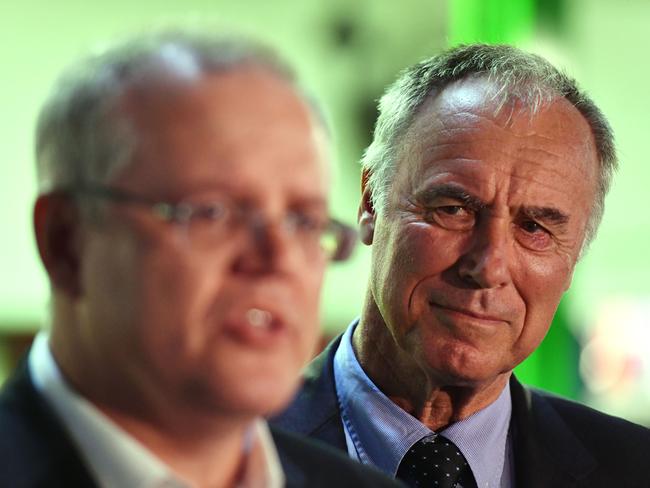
x=346, y=52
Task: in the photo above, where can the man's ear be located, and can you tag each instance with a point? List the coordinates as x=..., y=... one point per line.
x=366, y=214
x=57, y=225
x=569, y=279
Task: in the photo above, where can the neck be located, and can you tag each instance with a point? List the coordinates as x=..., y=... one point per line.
x=201, y=445
x=434, y=400
x=212, y=455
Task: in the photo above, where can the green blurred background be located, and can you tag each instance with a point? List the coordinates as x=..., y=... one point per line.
x=346, y=52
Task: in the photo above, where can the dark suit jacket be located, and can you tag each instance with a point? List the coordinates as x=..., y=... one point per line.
x=556, y=443
x=36, y=451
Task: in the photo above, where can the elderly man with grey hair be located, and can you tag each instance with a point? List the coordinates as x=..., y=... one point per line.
x=182, y=220
x=482, y=188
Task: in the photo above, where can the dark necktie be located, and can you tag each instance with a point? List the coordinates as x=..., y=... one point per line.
x=435, y=462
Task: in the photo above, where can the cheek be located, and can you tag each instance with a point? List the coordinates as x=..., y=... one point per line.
x=541, y=287
x=110, y=287
x=403, y=259
x=390, y=275
x=175, y=295
x=307, y=283
x=421, y=250
x=307, y=299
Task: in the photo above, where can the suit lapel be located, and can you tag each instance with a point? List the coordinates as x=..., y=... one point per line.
x=546, y=451
x=315, y=410
x=41, y=454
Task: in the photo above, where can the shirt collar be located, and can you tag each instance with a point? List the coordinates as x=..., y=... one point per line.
x=483, y=439
x=380, y=433
x=113, y=456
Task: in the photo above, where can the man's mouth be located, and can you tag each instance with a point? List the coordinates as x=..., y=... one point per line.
x=467, y=313
x=256, y=326
x=258, y=318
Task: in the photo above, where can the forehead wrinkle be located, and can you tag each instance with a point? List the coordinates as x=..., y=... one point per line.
x=528, y=158
x=527, y=180
x=468, y=135
x=428, y=148
x=441, y=136
x=435, y=154
x=530, y=154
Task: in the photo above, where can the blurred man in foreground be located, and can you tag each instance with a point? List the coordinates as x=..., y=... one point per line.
x=483, y=186
x=183, y=222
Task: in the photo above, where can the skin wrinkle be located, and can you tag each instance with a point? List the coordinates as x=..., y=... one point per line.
x=475, y=139
x=443, y=363
x=507, y=89
x=532, y=161
x=479, y=204
x=551, y=217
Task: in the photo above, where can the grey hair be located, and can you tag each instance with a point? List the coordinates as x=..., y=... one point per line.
x=79, y=138
x=516, y=75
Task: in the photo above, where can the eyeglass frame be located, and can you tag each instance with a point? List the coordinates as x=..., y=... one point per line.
x=182, y=212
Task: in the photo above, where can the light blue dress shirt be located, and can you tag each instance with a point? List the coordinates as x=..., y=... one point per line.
x=380, y=433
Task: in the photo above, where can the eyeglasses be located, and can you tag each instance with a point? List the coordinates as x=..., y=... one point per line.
x=212, y=222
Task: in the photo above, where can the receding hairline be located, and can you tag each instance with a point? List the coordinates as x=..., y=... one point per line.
x=169, y=86
x=79, y=135
x=484, y=94
x=481, y=102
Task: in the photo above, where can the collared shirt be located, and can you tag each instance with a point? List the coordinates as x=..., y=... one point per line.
x=380, y=433
x=116, y=459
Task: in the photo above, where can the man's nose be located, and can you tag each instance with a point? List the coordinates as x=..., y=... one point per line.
x=485, y=262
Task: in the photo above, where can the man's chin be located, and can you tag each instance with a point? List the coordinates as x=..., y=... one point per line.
x=469, y=376
x=470, y=370
x=275, y=396
x=250, y=398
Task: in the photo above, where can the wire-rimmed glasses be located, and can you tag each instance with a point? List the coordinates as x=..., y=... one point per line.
x=213, y=221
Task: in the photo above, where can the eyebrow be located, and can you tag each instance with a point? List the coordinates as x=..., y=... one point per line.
x=428, y=196
x=311, y=202
x=546, y=214
x=448, y=190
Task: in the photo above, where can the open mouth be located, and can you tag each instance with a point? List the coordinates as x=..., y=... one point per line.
x=259, y=318
x=256, y=327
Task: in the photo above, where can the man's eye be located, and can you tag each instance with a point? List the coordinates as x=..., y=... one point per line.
x=453, y=217
x=534, y=236
x=305, y=223
x=210, y=215
x=210, y=211
x=531, y=227
x=452, y=210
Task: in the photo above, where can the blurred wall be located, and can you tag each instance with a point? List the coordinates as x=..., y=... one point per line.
x=346, y=52
x=610, y=300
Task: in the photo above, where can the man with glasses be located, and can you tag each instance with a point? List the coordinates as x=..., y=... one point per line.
x=183, y=222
